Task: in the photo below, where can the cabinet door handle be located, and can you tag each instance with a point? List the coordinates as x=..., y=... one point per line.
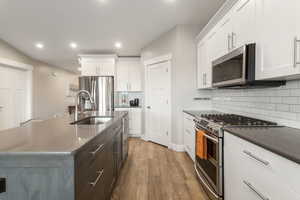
x=228, y=42
x=255, y=190
x=233, y=40
x=100, y=147
x=100, y=173
x=296, y=42
x=256, y=158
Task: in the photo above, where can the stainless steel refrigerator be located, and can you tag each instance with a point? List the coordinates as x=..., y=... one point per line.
x=101, y=89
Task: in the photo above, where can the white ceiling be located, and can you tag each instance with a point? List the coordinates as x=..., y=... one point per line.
x=94, y=24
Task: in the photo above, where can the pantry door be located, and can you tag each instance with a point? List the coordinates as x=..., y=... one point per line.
x=158, y=105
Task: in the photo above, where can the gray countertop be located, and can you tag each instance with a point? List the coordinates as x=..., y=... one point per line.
x=283, y=141
x=53, y=136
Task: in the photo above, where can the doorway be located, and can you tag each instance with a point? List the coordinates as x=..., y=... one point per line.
x=15, y=96
x=158, y=101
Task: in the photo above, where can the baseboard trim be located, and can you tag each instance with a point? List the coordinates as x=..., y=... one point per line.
x=177, y=147
x=144, y=137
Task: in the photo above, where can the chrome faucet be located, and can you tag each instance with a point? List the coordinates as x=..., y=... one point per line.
x=77, y=102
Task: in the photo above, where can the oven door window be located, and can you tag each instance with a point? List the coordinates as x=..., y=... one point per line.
x=231, y=70
x=210, y=166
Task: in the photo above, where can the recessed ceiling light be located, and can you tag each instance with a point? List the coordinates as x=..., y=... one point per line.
x=39, y=45
x=170, y=1
x=73, y=45
x=118, y=45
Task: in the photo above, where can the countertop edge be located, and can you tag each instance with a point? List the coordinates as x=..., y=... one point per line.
x=266, y=147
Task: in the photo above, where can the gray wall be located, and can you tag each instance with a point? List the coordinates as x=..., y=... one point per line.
x=180, y=42
x=49, y=92
x=281, y=104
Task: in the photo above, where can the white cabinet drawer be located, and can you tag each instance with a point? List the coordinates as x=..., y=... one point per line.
x=189, y=135
x=271, y=175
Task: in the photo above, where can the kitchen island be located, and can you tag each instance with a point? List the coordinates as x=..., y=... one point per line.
x=58, y=159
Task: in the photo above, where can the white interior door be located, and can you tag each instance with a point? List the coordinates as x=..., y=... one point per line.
x=158, y=103
x=14, y=93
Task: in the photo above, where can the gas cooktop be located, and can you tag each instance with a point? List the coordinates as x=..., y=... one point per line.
x=214, y=122
x=235, y=120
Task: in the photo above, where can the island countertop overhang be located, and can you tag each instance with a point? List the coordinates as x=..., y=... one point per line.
x=55, y=136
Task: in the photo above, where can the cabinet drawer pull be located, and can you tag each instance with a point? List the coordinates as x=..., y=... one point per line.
x=296, y=42
x=256, y=158
x=228, y=42
x=100, y=147
x=255, y=190
x=100, y=173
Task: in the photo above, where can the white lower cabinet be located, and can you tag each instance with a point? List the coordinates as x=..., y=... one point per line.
x=135, y=121
x=189, y=135
x=251, y=172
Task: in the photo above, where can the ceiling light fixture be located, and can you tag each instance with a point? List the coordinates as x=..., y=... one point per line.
x=118, y=45
x=170, y=1
x=73, y=45
x=39, y=45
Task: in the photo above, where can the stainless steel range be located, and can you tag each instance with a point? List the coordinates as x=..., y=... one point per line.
x=210, y=169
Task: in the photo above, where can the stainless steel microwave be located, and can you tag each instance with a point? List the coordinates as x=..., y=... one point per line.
x=237, y=69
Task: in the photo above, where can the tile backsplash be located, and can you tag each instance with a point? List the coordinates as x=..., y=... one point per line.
x=128, y=96
x=280, y=104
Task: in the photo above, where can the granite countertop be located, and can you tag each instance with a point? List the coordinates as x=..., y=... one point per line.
x=283, y=141
x=53, y=136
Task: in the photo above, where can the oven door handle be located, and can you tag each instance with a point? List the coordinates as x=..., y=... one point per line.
x=205, y=184
x=215, y=140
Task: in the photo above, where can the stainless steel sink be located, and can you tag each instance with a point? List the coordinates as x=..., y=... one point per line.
x=93, y=121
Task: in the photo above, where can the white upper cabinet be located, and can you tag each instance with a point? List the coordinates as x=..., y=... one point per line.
x=129, y=74
x=277, y=48
x=204, y=54
x=89, y=69
x=97, y=65
x=201, y=59
x=271, y=24
x=223, y=37
x=244, y=28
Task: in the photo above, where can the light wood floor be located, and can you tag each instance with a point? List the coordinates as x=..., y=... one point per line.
x=153, y=172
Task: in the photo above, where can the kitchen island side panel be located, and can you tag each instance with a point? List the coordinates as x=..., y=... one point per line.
x=37, y=177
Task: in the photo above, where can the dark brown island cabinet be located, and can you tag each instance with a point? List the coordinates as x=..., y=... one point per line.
x=89, y=173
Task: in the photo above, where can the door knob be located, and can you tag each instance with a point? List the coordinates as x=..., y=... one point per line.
x=148, y=107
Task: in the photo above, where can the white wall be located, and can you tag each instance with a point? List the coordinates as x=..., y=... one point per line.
x=180, y=42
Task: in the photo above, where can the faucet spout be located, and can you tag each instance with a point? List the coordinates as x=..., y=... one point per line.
x=79, y=93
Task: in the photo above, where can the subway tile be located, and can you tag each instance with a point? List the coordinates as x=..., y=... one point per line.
x=283, y=93
x=290, y=100
x=295, y=108
x=295, y=92
x=275, y=99
x=283, y=107
x=292, y=84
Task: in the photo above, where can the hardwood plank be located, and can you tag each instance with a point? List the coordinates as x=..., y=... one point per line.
x=153, y=172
